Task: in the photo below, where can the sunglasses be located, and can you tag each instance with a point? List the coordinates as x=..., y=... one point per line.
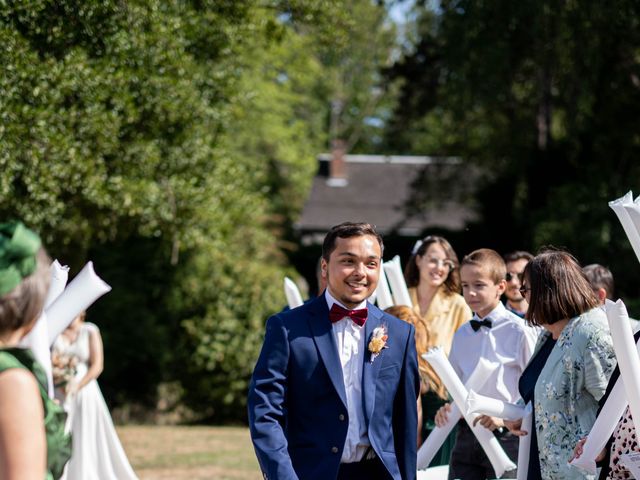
x=512, y=276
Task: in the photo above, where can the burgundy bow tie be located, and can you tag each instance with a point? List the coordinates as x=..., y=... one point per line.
x=337, y=313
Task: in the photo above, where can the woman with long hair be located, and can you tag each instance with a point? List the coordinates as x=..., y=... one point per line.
x=433, y=277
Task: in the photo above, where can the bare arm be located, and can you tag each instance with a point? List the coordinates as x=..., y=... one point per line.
x=96, y=360
x=23, y=446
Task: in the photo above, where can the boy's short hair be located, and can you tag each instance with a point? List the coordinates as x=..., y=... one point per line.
x=600, y=276
x=348, y=230
x=489, y=260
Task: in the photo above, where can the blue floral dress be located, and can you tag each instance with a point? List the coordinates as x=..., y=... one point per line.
x=566, y=394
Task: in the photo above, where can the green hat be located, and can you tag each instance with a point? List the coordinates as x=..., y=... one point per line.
x=18, y=249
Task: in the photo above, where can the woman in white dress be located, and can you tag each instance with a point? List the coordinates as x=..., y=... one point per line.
x=97, y=452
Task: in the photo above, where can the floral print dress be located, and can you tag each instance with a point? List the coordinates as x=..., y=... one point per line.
x=566, y=395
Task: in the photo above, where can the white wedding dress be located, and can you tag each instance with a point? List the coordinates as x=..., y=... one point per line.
x=96, y=450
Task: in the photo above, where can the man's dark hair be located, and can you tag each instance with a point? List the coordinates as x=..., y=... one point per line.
x=348, y=230
x=517, y=255
x=600, y=276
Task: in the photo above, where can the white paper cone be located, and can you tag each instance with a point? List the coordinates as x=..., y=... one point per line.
x=622, y=207
x=489, y=443
x=85, y=289
x=483, y=405
x=294, y=299
x=37, y=340
x=434, y=473
x=382, y=293
x=438, y=435
x=399, y=289
x=59, y=277
x=626, y=353
x=436, y=438
x=524, y=444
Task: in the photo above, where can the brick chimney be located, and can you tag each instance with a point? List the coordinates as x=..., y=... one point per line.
x=338, y=167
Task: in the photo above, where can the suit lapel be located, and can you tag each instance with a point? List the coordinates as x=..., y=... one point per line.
x=370, y=369
x=323, y=336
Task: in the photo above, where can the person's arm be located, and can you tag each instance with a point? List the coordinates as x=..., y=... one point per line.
x=23, y=446
x=266, y=404
x=405, y=414
x=96, y=360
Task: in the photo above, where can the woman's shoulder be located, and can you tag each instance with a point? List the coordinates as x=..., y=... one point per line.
x=589, y=327
x=90, y=327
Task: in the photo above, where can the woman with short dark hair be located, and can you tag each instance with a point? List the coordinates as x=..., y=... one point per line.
x=570, y=368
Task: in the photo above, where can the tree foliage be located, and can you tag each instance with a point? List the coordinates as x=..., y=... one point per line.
x=544, y=97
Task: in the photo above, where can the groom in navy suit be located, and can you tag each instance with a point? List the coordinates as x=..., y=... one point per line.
x=333, y=394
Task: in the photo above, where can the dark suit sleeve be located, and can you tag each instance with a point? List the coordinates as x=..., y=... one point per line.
x=405, y=414
x=266, y=403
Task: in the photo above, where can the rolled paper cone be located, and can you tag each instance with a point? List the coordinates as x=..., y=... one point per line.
x=626, y=353
x=436, y=438
x=383, y=294
x=83, y=290
x=434, y=473
x=489, y=443
x=37, y=340
x=524, y=444
x=399, y=289
x=483, y=405
x=294, y=299
x=59, y=277
x=633, y=210
x=619, y=206
x=438, y=435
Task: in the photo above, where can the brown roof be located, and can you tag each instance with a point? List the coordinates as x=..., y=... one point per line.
x=401, y=194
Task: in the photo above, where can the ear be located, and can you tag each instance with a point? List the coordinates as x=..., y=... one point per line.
x=323, y=268
x=502, y=286
x=601, y=293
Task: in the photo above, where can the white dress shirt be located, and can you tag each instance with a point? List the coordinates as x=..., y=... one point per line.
x=350, y=341
x=509, y=343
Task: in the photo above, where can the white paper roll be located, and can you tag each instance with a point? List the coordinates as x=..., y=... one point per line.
x=291, y=291
x=622, y=206
x=37, y=340
x=483, y=405
x=626, y=353
x=382, y=293
x=524, y=444
x=489, y=443
x=399, y=289
x=434, y=473
x=59, y=277
x=438, y=435
x=84, y=289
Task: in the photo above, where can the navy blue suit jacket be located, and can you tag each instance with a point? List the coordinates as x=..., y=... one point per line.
x=297, y=403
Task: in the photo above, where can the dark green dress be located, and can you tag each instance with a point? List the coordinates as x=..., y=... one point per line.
x=58, y=443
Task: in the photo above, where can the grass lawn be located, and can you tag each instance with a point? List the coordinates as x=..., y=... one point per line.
x=190, y=453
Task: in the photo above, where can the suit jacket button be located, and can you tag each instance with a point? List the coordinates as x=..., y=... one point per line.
x=334, y=449
x=341, y=417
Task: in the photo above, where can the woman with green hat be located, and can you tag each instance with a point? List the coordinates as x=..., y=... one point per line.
x=33, y=444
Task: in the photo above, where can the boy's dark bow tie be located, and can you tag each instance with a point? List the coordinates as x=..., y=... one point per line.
x=337, y=313
x=476, y=324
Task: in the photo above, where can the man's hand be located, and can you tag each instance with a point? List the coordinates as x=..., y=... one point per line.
x=442, y=415
x=488, y=422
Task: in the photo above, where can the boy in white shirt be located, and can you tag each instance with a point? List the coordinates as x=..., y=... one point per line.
x=499, y=336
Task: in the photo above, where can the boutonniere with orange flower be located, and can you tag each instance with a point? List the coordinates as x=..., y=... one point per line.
x=378, y=341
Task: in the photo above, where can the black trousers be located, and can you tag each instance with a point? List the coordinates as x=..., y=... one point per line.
x=372, y=469
x=468, y=460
